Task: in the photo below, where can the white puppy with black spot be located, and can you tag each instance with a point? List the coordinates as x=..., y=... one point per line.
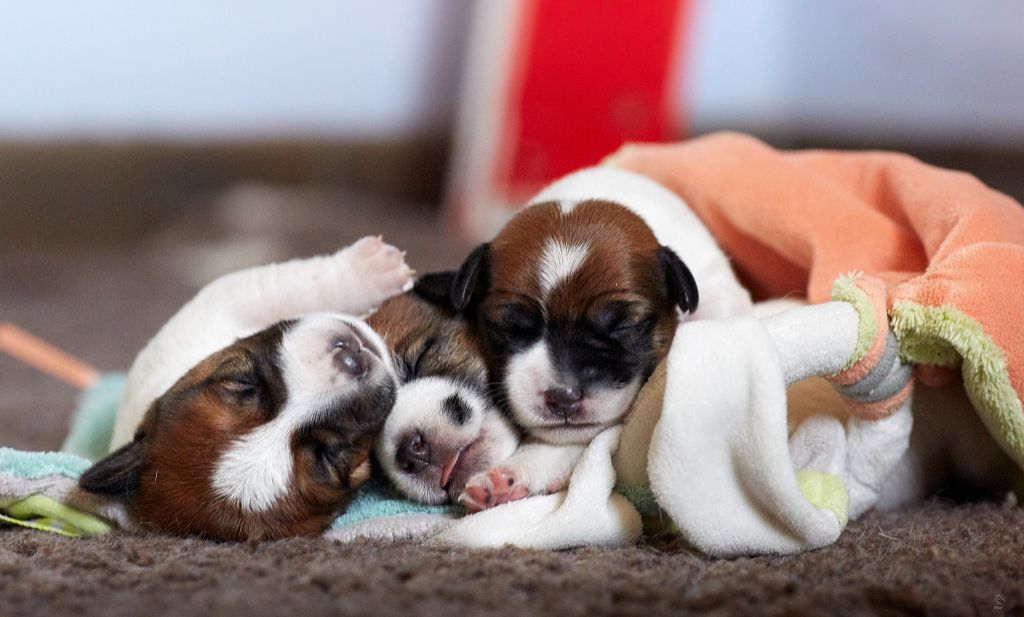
x=443, y=428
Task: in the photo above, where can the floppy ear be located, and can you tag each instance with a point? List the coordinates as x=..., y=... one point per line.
x=436, y=288
x=471, y=280
x=118, y=474
x=678, y=280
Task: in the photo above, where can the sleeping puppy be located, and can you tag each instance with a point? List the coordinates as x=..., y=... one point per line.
x=251, y=414
x=443, y=428
x=576, y=300
x=265, y=438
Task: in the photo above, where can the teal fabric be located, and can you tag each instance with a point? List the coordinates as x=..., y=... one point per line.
x=378, y=499
x=36, y=465
x=93, y=423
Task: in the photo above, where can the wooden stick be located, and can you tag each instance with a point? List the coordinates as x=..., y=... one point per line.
x=45, y=357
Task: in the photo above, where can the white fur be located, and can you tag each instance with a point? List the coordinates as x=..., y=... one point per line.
x=528, y=374
x=559, y=262
x=353, y=280
x=257, y=469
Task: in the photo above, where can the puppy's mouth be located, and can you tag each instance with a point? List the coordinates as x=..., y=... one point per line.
x=455, y=469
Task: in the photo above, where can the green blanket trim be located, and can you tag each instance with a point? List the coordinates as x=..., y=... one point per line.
x=945, y=336
x=826, y=491
x=42, y=513
x=845, y=289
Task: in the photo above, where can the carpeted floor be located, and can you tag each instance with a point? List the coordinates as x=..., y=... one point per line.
x=940, y=559
x=102, y=300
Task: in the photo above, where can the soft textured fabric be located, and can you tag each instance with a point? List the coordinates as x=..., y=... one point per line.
x=948, y=249
x=93, y=422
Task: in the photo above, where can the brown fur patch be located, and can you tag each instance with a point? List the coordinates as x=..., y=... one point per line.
x=408, y=324
x=621, y=264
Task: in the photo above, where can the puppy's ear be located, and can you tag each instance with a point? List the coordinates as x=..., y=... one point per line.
x=682, y=289
x=472, y=279
x=436, y=288
x=118, y=474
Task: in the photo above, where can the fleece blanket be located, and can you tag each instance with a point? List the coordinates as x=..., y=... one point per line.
x=944, y=251
x=937, y=259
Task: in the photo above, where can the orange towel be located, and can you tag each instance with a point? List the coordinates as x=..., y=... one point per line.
x=948, y=249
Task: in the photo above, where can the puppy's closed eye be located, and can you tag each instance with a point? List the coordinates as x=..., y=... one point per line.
x=238, y=379
x=622, y=318
x=515, y=320
x=411, y=364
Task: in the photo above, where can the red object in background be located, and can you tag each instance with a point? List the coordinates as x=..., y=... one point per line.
x=592, y=75
x=556, y=85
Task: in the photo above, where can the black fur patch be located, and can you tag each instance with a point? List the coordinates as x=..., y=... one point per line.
x=457, y=410
x=117, y=474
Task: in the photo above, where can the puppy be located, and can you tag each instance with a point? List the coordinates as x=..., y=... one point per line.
x=443, y=428
x=576, y=301
x=268, y=434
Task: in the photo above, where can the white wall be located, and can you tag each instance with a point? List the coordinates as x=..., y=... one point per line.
x=876, y=69
x=200, y=67
x=893, y=69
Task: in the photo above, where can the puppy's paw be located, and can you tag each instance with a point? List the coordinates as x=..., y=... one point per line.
x=492, y=488
x=381, y=266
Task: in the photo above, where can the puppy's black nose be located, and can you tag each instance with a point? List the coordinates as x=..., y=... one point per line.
x=413, y=454
x=350, y=357
x=564, y=402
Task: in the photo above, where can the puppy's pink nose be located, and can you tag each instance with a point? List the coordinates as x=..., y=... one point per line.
x=564, y=401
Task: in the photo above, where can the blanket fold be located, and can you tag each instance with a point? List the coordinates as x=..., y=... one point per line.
x=938, y=258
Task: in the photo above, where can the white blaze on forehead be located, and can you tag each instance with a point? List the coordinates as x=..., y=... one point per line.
x=560, y=261
x=257, y=468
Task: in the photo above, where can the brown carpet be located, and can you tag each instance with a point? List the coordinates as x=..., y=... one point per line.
x=101, y=300
x=940, y=559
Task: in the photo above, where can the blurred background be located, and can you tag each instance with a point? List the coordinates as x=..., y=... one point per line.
x=147, y=148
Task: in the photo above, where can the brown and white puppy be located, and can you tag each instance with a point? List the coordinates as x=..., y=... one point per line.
x=266, y=438
x=443, y=428
x=251, y=413
x=577, y=300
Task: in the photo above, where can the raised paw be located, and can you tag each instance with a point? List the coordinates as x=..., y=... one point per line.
x=491, y=488
x=383, y=266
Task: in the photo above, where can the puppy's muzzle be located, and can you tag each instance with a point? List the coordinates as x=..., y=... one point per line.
x=564, y=401
x=413, y=454
x=351, y=356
